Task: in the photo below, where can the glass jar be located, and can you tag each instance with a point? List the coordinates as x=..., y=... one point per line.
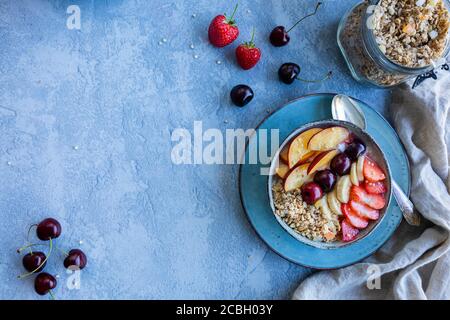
x=365, y=59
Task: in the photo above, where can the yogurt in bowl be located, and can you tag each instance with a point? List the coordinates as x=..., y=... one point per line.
x=329, y=184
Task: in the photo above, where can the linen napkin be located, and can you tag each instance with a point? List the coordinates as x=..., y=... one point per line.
x=415, y=262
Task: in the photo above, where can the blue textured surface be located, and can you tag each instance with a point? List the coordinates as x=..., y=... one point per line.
x=85, y=123
x=291, y=117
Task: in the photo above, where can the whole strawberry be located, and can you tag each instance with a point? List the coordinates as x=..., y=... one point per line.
x=223, y=31
x=247, y=54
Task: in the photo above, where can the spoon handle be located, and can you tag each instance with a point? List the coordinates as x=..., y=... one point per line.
x=406, y=206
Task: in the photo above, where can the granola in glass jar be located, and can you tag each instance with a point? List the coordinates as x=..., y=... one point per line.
x=395, y=40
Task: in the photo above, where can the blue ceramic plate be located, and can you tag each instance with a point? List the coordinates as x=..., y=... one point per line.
x=254, y=190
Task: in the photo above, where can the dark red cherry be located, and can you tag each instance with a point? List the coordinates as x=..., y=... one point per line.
x=48, y=228
x=279, y=36
x=355, y=149
x=288, y=72
x=341, y=164
x=75, y=258
x=34, y=261
x=44, y=282
x=311, y=192
x=326, y=179
x=241, y=95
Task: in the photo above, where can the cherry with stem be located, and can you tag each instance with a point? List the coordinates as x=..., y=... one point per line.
x=289, y=72
x=44, y=283
x=280, y=36
x=41, y=264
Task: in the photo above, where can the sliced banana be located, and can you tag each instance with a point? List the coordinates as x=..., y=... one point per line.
x=322, y=205
x=334, y=203
x=354, y=174
x=343, y=189
x=359, y=168
x=332, y=226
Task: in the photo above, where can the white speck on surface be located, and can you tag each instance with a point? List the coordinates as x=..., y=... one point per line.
x=196, y=56
x=164, y=40
x=9, y=163
x=80, y=242
x=192, y=46
x=193, y=15
x=219, y=62
x=249, y=11
x=76, y=147
x=160, y=43
x=225, y=121
x=56, y=275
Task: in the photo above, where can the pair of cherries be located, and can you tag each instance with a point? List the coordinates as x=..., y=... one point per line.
x=35, y=261
x=289, y=72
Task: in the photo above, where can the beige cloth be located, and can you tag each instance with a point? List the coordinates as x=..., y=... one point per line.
x=415, y=262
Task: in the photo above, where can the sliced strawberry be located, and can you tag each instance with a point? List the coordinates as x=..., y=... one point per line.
x=364, y=211
x=356, y=220
x=372, y=171
x=360, y=195
x=375, y=187
x=348, y=231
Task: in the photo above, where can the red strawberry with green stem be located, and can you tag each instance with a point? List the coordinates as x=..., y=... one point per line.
x=223, y=31
x=247, y=54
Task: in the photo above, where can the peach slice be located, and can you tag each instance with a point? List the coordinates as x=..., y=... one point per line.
x=321, y=161
x=282, y=170
x=298, y=149
x=297, y=177
x=328, y=139
x=284, y=153
x=309, y=157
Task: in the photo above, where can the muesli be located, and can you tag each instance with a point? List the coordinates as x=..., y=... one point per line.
x=411, y=33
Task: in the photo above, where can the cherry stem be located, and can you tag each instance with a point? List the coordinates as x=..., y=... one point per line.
x=328, y=76
x=28, y=235
x=45, y=260
x=52, y=296
x=234, y=11
x=309, y=15
x=41, y=244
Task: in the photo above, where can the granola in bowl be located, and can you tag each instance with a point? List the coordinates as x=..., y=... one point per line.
x=305, y=219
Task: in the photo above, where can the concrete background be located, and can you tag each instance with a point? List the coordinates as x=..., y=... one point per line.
x=85, y=123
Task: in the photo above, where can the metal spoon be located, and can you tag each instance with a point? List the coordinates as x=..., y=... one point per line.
x=346, y=109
